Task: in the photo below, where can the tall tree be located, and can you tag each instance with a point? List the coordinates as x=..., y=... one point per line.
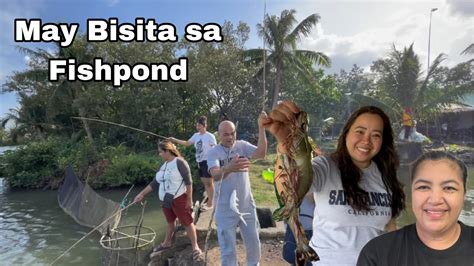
x=281, y=36
x=33, y=83
x=401, y=83
x=220, y=80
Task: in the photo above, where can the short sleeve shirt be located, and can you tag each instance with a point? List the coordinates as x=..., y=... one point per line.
x=203, y=143
x=341, y=230
x=220, y=156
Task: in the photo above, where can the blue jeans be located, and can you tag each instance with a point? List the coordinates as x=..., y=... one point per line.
x=289, y=245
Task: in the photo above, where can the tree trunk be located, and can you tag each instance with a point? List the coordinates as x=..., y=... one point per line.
x=82, y=113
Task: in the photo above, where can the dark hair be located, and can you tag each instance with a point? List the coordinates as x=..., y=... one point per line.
x=437, y=156
x=202, y=120
x=169, y=146
x=386, y=160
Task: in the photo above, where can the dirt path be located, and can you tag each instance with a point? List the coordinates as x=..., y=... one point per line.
x=271, y=253
x=182, y=255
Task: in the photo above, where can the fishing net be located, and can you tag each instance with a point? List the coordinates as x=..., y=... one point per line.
x=128, y=244
x=122, y=244
x=85, y=206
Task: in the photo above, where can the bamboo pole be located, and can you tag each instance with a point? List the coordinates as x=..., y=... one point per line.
x=120, y=125
x=95, y=228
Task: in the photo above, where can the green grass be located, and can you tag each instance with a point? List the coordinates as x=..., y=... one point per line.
x=263, y=192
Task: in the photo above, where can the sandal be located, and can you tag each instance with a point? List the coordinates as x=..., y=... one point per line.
x=160, y=247
x=197, y=254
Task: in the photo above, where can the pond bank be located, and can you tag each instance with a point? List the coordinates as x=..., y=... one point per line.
x=181, y=253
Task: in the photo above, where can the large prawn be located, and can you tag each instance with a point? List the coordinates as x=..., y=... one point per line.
x=293, y=173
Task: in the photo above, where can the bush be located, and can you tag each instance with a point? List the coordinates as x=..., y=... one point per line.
x=41, y=164
x=189, y=154
x=126, y=170
x=79, y=154
x=33, y=165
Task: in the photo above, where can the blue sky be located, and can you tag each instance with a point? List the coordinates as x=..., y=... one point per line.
x=350, y=31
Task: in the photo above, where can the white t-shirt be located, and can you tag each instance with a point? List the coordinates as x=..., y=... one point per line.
x=203, y=143
x=170, y=179
x=239, y=181
x=339, y=232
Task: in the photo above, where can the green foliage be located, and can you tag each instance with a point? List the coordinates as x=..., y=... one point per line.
x=453, y=148
x=126, y=170
x=78, y=154
x=41, y=163
x=401, y=83
x=189, y=154
x=5, y=138
x=281, y=35
x=31, y=166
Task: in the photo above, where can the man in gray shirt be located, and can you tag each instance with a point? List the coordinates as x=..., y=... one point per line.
x=228, y=164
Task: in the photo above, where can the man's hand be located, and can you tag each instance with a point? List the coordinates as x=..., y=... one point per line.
x=237, y=164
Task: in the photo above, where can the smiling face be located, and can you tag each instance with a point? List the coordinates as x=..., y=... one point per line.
x=364, y=139
x=437, y=197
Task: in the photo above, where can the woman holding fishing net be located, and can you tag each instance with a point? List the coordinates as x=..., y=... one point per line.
x=173, y=182
x=357, y=192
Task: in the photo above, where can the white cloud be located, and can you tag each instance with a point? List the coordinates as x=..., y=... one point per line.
x=369, y=32
x=461, y=7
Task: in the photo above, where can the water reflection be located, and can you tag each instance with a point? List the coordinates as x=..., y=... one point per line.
x=35, y=230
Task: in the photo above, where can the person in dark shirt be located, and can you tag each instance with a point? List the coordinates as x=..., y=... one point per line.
x=438, y=187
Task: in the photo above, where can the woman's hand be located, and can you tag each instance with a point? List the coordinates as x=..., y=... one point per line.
x=189, y=204
x=138, y=198
x=281, y=118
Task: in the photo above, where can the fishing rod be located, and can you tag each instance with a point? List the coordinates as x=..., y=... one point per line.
x=95, y=228
x=120, y=125
x=264, y=54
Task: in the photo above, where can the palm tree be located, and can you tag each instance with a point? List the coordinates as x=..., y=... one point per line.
x=281, y=37
x=27, y=121
x=469, y=51
x=400, y=84
x=37, y=77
